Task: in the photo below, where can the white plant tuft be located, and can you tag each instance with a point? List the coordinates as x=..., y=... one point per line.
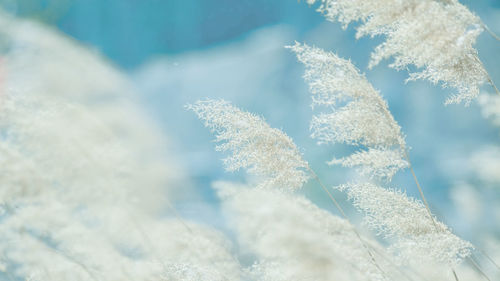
x=294, y=239
x=417, y=235
x=255, y=146
x=84, y=173
x=490, y=107
x=355, y=114
x=435, y=36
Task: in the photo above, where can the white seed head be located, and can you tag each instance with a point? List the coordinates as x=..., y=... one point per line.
x=254, y=145
x=353, y=112
x=435, y=36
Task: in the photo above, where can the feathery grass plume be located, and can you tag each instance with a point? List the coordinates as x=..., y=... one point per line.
x=255, y=146
x=294, y=239
x=356, y=114
x=69, y=200
x=435, y=36
x=394, y=215
x=190, y=272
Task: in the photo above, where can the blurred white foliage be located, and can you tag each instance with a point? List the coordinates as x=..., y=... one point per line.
x=83, y=183
x=468, y=202
x=255, y=146
x=294, y=239
x=485, y=163
x=436, y=37
x=85, y=175
x=417, y=236
x=356, y=114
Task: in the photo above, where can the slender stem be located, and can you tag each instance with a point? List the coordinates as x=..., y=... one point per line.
x=487, y=75
x=178, y=217
x=335, y=202
x=493, y=85
x=339, y=208
x=420, y=190
x=491, y=32
x=191, y=231
x=425, y=203
x=383, y=256
x=73, y=260
x=146, y=238
x=454, y=274
x=478, y=268
x=389, y=115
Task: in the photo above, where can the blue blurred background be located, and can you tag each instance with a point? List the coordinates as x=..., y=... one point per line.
x=178, y=51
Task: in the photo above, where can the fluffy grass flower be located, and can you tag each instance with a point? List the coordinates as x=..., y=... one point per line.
x=255, y=146
x=353, y=113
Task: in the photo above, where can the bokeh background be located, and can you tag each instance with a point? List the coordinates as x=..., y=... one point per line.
x=178, y=51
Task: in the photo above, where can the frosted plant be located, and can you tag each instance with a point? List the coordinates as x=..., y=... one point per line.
x=485, y=162
x=70, y=197
x=294, y=239
x=189, y=272
x=490, y=107
x=60, y=245
x=89, y=186
x=255, y=146
x=34, y=55
x=435, y=36
x=406, y=220
x=84, y=172
x=51, y=83
x=355, y=114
